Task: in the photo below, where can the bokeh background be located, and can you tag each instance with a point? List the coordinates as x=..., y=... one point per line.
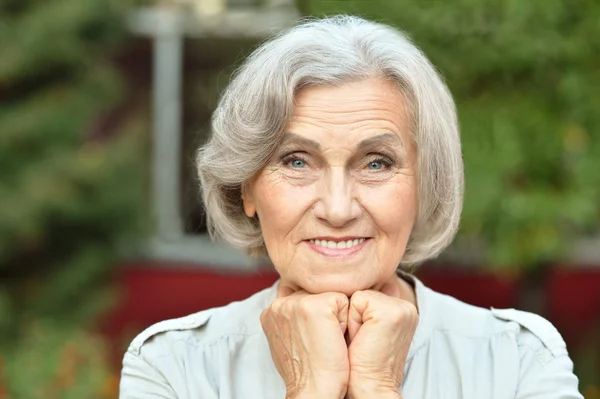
x=103, y=103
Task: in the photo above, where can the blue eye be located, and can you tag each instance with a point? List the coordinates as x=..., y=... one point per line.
x=375, y=165
x=297, y=163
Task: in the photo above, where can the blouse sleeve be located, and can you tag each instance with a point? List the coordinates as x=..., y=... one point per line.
x=156, y=366
x=139, y=380
x=551, y=379
x=545, y=369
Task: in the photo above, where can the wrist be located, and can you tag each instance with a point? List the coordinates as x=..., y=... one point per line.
x=373, y=393
x=316, y=395
x=373, y=387
x=320, y=391
x=311, y=395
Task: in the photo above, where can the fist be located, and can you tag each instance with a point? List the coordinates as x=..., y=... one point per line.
x=381, y=329
x=306, y=338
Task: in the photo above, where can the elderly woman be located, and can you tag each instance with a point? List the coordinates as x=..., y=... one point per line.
x=335, y=152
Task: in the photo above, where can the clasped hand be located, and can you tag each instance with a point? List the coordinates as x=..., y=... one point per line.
x=331, y=346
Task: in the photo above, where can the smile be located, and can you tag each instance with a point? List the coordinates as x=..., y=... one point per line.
x=339, y=244
x=338, y=248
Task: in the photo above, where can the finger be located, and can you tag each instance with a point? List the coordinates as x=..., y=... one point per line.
x=358, y=304
x=341, y=311
x=286, y=303
x=354, y=323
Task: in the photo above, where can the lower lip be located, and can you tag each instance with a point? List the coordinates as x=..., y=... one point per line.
x=337, y=252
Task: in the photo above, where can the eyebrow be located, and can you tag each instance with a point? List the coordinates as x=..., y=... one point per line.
x=379, y=140
x=289, y=137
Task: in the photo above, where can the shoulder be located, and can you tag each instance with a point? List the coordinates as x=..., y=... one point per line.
x=533, y=332
x=237, y=319
x=521, y=351
x=527, y=331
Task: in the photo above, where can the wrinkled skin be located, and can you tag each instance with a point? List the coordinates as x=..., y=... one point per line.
x=343, y=321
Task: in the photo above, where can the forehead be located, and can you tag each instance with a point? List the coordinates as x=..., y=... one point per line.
x=369, y=89
x=353, y=112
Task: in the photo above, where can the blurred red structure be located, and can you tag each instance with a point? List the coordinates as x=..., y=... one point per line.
x=573, y=302
x=151, y=292
x=476, y=288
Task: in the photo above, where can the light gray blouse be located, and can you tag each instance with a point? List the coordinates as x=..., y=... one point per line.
x=458, y=351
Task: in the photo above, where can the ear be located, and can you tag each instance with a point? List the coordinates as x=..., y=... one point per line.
x=248, y=201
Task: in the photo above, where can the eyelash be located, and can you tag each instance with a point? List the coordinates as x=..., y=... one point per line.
x=286, y=159
x=385, y=160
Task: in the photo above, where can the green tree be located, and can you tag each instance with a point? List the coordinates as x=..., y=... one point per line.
x=526, y=79
x=68, y=200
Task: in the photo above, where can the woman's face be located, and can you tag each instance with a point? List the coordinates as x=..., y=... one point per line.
x=338, y=200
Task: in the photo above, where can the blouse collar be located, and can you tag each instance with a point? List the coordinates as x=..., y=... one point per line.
x=424, y=306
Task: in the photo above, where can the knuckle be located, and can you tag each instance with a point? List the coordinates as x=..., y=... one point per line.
x=333, y=300
x=306, y=306
x=275, y=306
x=344, y=301
x=359, y=296
x=287, y=308
x=340, y=297
x=404, y=312
x=410, y=310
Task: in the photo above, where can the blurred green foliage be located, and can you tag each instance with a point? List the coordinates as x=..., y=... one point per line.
x=526, y=79
x=525, y=75
x=54, y=361
x=71, y=194
x=586, y=360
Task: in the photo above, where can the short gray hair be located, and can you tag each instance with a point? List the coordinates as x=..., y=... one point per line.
x=258, y=103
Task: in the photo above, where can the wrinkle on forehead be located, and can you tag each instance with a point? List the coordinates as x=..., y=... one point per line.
x=348, y=114
x=368, y=107
x=352, y=100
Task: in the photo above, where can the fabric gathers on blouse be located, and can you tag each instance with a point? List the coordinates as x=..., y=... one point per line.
x=458, y=351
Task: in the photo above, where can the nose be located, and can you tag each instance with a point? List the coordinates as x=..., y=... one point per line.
x=336, y=204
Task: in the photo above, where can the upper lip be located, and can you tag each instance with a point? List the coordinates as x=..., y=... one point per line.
x=336, y=239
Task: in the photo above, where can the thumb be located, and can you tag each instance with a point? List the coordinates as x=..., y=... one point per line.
x=341, y=311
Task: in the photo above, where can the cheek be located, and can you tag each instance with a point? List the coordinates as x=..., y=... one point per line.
x=281, y=207
x=393, y=207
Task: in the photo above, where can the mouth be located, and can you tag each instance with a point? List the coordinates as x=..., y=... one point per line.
x=337, y=247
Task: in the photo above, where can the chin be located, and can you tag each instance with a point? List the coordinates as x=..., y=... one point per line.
x=345, y=284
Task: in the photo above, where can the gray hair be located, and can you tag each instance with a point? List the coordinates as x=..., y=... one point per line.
x=259, y=102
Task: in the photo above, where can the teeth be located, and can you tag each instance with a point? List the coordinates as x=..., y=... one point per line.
x=338, y=245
